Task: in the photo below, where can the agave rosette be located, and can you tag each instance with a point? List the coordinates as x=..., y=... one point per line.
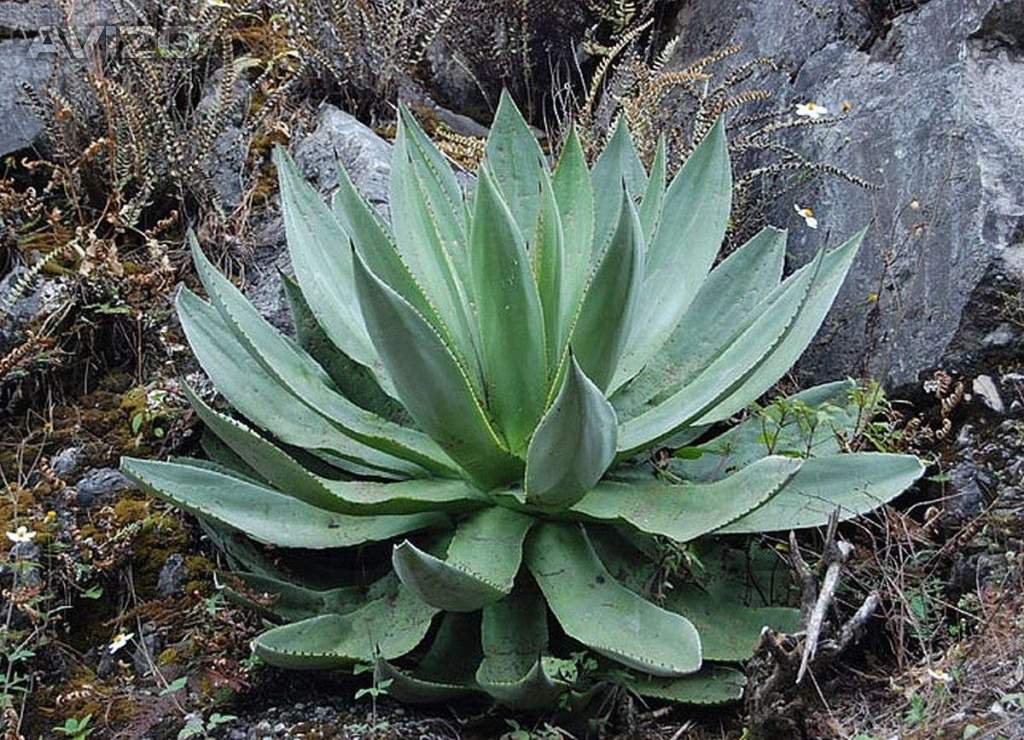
x=479, y=385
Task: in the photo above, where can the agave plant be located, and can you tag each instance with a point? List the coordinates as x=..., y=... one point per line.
x=478, y=387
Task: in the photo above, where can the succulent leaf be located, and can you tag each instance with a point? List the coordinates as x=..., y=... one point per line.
x=320, y=253
x=433, y=385
x=480, y=567
x=617, y=172
x=654, y=198
x=430, y=241
x=827, y=282
x=690, y=510
x=746, y=442
x=694, y=219
x=447, y=669
x=549, y=268
x=358, y=497
x=261, y=398
x=602, y=614
x=515, y=158
x=606, y=316
x=515, y=636
x=573, y=446
x=714, y=685
x=355, y=381
x=384, y=628
x=511, y=319
x=729, y=371
x=730, y=296
x=852, y=484
x=574, y=193
x=264, y=514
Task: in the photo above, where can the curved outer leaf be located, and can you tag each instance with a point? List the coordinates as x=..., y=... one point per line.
x=729, y=630
x=854, y=483
x=573, y=446
x=258, y=396
x=374, y=243
x=290, y=602
x=575, y=195
x=297, y=371
x=358, y=497
x=264, y=514
x=723, y=308
x=481, y=565
x=690, y=510
x=694, y=219
x=516, y=160
x=654, y=199
x=617, y=165
x=446, y=671
x=433, y=386
x=548, y=258
x=430, y=235
x=356, y=382
x=729, y=370
x=514, y=637
x=321, y=256
x=605, y=616
x=511, y=321
x=607, y=314
x=835, y=265
x=745, y=443
x=387, y=628
x=712, y=686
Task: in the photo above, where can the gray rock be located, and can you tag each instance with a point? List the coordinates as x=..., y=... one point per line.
x=171, y=581
x=22, y=305
x=935, y=120
x=988, y=392
x=99, y=483
x=68, y=461
x=970, y=488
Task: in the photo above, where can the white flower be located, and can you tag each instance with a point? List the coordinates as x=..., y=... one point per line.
x=811, y=110
x=807, y=214
x=119, y=641
x=21, y=534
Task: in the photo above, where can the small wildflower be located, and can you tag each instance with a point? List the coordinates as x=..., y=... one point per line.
x=872, y=297
x=811, y=110
x=120, y=640
x=51, y=516
x=21, y=534
x=807, y=214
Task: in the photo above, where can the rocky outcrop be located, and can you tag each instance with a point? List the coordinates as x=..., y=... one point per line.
x=935, y=89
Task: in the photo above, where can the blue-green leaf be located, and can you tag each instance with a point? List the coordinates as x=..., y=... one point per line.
x=573, y=445
x=479, y=568
x=511, y=320
x=695, y=216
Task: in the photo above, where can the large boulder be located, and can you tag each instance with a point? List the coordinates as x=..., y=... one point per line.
x=935, y=89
